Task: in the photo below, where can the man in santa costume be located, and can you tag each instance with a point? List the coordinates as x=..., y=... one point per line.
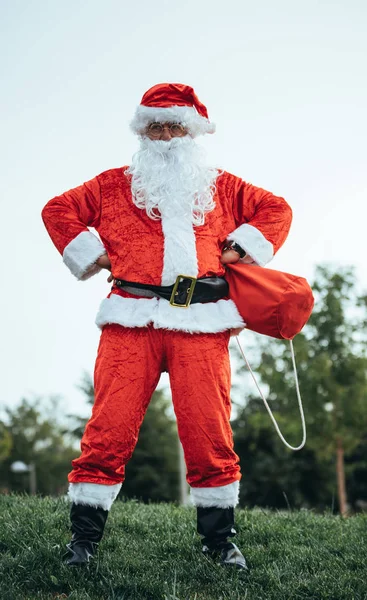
x=167, y=224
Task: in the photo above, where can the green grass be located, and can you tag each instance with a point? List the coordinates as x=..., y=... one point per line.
x=152, y=552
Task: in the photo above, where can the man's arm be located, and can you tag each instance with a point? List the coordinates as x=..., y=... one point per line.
x=67, y=218
x=263, y=222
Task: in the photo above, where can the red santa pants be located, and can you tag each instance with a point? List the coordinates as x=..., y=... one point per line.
x=128, y=367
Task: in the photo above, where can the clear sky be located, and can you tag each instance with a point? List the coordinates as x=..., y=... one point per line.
x=285, y=82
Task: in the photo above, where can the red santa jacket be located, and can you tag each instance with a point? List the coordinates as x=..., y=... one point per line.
x=156, y=251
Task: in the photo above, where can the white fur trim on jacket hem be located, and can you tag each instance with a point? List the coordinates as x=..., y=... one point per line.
x=223, y=496
x=187, y=115
x=81, y=254
x=211, y=317
x=94, y=494
x=253, y=242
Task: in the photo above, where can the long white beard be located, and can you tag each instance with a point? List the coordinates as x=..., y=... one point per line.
x=172, y=179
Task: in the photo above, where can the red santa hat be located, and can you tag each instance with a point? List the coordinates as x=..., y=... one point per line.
x=172, y=102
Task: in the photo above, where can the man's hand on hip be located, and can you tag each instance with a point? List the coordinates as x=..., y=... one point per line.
x=104, y=263
x=231, y=256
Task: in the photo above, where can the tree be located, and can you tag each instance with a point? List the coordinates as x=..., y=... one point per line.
x=6, y=442
x=37, y=438
x=356, y=475
x=152, y=472
x=332, y=371
x=272, y=476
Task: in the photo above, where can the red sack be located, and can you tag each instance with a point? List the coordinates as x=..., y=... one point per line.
x=270, y=302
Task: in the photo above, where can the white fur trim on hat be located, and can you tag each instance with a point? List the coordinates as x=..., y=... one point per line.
x=223, y=496
x=94, y=494
x=186, y=115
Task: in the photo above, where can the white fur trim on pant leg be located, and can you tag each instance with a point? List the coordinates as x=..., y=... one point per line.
x=253, y=242
x=223, y=496
x=94, y=494
x=81, y=254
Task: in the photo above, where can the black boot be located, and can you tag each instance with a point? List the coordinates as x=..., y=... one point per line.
x=216, y=525
x=87, y=525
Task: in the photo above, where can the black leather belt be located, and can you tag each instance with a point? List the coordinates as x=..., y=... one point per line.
x=185, y=291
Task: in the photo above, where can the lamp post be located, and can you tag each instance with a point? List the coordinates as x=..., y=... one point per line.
x=20, y=467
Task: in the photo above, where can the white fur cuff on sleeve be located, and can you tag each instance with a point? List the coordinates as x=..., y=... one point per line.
x=81, y=254
x=253, y=242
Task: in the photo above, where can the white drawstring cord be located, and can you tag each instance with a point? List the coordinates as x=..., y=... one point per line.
x=266, y=404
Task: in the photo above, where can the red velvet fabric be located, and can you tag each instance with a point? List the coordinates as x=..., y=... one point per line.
x=128, y=367
x=164, y=95
x=270, y=302
x=135, y=243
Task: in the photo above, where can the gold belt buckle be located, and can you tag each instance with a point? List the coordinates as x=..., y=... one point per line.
x=189, y=292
